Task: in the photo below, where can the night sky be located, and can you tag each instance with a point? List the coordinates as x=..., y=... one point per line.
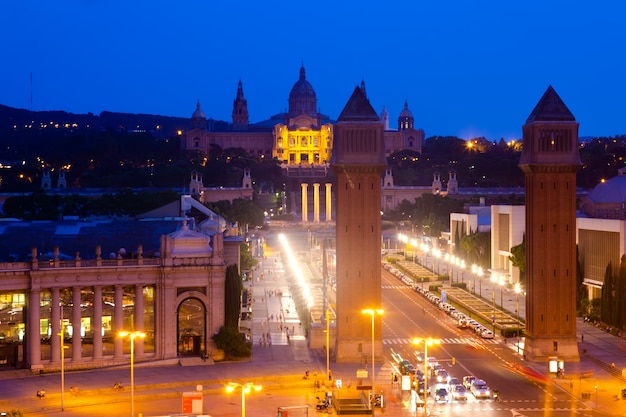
x=466, y=69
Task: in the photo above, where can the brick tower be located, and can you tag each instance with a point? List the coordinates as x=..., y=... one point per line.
x=550, y=160
x=358, y=160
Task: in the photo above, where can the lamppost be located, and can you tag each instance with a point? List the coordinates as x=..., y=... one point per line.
x=494, y=280
x=427, y=342
x=132, y=336
x=62, y=361
x=450, y=261
x=245, y=389
x=327, y=316
x=517, y=290
x=372, y=312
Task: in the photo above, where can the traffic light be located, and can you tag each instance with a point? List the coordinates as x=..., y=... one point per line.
x=453, y=361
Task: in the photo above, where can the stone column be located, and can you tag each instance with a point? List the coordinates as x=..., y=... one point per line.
x=33, y=337
x=97, y=322
x=316, y=203
x=55, y=328
x=328, y=202
x=76, y=325
x=118, y=323
x=139, y=326
x=305, y=203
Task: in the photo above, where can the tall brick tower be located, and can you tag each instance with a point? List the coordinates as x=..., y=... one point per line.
x=358, y=160
x=550, y=160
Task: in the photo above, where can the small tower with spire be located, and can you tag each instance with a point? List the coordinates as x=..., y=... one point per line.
x=247, y=179
x=46, y=182
x=436, y=187
x=61, y=182
x=388, y=179
x=453, y=184
x=384, y=117
x=240, y=110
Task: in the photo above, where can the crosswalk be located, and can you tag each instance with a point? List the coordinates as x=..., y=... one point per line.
x=395, y=287
x=444, y=341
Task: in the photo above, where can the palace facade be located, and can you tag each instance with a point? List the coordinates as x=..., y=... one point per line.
x=300, y=137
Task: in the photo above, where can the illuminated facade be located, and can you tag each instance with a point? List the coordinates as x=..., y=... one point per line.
x=299, y=137
x=174, y=294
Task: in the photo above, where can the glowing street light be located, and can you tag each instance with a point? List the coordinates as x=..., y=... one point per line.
x=245, y=389
x=517, y=289
x=132, y=336
x=427, y=342
x=373, y=313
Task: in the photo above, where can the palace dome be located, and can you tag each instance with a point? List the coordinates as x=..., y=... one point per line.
x=302, y=98
x=608, y=199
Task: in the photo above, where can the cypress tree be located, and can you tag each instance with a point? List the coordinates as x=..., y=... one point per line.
x=232, y=294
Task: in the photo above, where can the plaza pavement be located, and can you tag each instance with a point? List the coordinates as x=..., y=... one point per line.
x=281, y=367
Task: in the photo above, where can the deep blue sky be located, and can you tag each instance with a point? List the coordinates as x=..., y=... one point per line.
x=466, y=68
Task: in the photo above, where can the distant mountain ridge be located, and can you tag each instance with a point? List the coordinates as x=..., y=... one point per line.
x=14, y=119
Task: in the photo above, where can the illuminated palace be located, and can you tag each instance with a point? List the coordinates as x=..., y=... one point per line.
x=300, y=137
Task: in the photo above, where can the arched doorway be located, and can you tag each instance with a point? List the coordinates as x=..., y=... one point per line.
x=191, y=323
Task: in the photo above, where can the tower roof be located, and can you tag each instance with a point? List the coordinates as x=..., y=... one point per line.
x=302, y=98
x=302, y=89
x=358, y=108
x=406, y=113
x=198, y=113
x=550, y=108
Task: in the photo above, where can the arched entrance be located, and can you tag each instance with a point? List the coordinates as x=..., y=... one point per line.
x=191, y=324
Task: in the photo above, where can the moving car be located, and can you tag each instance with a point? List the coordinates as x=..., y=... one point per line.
x=441, y=393
x=480, y=389
x=459, y=393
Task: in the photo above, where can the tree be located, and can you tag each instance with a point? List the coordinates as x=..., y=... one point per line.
x=232, y=295
x=232, y=343
x=620, y=294
x=246, y=260
x=477, y=246
x=518, y=259
x=606, y=310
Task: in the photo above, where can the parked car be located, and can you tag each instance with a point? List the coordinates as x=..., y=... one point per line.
x=487, y=334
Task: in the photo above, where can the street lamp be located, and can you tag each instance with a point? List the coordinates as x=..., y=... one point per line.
x=245, y=389
x=427, y=342
x=132, y=336
x=62, y=361
x=327, y=317
x=372, y=312
x=517, y=290
x=494, y=280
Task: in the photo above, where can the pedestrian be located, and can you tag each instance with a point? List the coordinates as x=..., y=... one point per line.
x=582, y=338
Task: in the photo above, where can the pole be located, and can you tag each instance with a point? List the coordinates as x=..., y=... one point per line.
x=493, y=299
x=132, y=375
x=425, y=377
x=327, y=346
x=373, y=314
x=243, y=401
x=518, y=322
x=62, y=363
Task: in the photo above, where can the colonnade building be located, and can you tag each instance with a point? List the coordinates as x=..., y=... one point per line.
x=173, y=290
